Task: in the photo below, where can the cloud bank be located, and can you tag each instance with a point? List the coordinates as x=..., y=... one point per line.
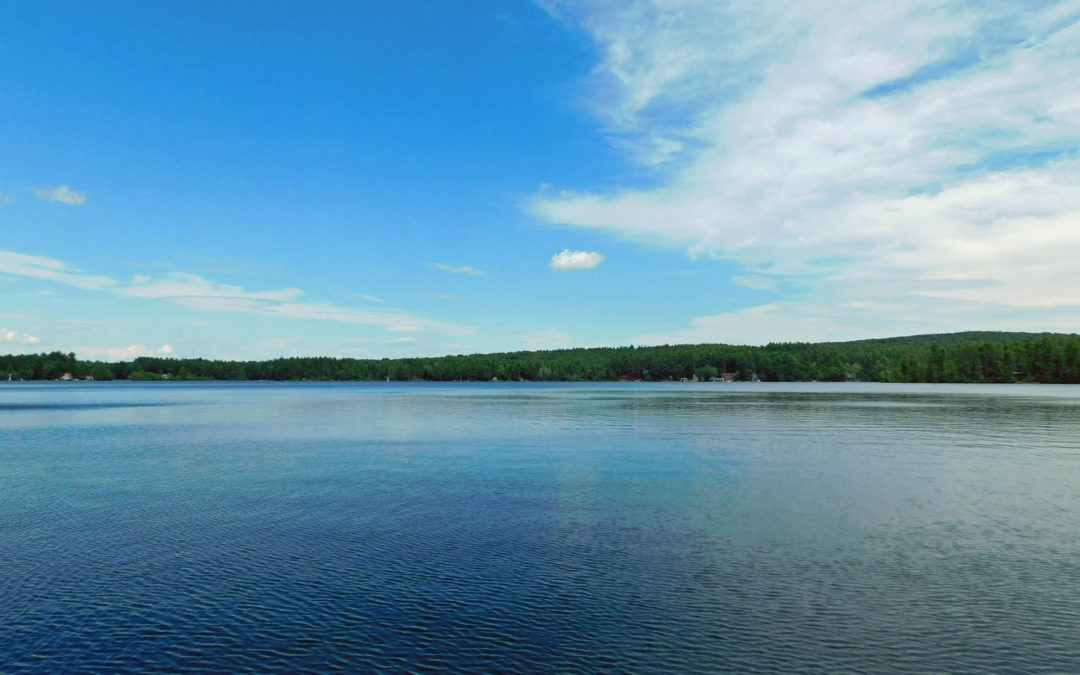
x=918, y=152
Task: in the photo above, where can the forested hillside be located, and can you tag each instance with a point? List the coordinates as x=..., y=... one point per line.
x=956, y=357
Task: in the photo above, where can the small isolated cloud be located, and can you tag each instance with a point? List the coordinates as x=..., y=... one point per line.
x=457, y=269
x=575, y=260
x=545, y=339
x=165, y=350
x=17, y=337
x=62, y=194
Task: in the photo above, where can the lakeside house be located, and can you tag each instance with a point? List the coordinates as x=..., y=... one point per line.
x=723, y=377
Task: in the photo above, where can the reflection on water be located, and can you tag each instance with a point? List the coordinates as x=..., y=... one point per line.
x=553, y=527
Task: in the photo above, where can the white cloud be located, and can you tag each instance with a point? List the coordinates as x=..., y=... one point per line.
x=754, y=325
x=369, y=298
x=195, y=292
x=62, y=194
x=391, y=321
x=49, y=269
x=460, y=269
x=575, y=260
x=545, y=339
x=894, y=149
x=179, y=285
x=756, y=281
x=199, y=293
x=116, y=353
x=17, y=337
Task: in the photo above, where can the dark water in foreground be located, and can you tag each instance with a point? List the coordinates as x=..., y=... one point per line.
x=510, y=527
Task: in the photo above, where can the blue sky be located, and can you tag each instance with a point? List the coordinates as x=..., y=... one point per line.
x=252, y=180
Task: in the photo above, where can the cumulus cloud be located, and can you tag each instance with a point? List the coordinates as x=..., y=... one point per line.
x=49, y=269
x=457, y=269
x=62, y=194
x=17, y=337
x=907, y=151
x=575, y=260
x=165, y=350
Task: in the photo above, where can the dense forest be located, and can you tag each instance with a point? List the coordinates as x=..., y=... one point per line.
x=952, y=357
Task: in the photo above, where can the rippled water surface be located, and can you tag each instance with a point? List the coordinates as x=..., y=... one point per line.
x=533, y=527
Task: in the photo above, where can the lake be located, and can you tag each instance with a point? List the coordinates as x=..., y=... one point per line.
x=217, y=527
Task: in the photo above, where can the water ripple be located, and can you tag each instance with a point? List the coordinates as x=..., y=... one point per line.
x=624, y=532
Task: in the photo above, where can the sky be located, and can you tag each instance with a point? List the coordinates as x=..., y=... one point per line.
x=249, y=180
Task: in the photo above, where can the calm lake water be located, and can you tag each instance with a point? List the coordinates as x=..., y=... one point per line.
x=539, y=527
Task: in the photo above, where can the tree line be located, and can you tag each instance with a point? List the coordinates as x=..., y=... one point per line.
x=952, y=357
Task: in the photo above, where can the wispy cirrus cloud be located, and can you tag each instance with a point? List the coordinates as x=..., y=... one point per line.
x=369, y=298
x=884, y=151
x=199, y=293
x=575, y=260
x=456, y=269
x=195, y=292
x=62, y=194
x=179, y=287
x=50, y=269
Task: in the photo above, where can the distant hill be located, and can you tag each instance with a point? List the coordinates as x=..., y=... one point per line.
x=992, y=336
